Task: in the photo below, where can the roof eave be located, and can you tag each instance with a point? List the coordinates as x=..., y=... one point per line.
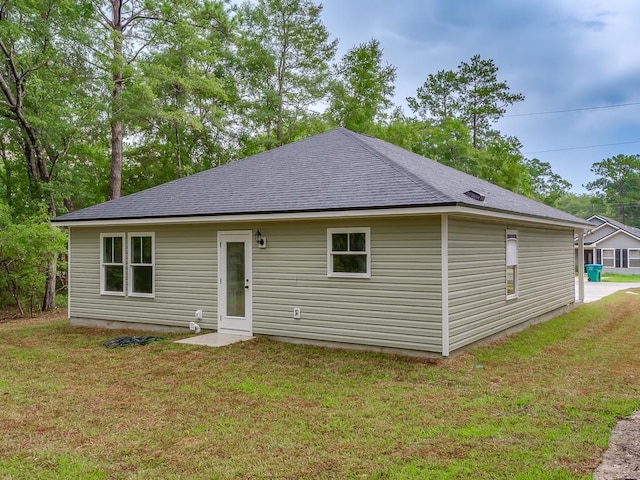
x=436, y=209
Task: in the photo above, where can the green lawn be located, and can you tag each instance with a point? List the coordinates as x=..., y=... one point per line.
x=539, y=405
x=616, y=277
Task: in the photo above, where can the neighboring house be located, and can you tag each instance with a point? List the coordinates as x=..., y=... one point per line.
x=614, y=245
x=338, y=239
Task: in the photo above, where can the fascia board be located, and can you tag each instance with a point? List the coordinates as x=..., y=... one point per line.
x=321, y=215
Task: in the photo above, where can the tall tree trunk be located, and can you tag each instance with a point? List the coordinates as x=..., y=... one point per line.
x=475, y=131
x=49, y=301
x=115, y=183
x=8, y=173
x=282, y=68
x=178, y=151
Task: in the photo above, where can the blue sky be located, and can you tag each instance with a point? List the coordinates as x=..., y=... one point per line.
x=561, y=54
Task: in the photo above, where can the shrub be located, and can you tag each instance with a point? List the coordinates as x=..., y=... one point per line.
x=25, y=249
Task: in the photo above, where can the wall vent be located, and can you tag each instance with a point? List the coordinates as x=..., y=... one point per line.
x=475, y=195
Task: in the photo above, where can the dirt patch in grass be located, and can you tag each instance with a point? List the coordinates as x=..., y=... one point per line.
x=622, y=459
x=540, y=404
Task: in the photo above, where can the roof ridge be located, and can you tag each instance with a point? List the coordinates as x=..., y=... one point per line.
x=410, y=175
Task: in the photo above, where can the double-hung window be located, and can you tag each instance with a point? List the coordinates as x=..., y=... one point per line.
x=608, y=257
x=141, y=264
x=112, y=264
x=634, y=257
x=512, y=264
x=349, y=252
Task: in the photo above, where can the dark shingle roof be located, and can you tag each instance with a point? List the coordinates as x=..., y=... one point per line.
x=336, y=170
x=598, y=234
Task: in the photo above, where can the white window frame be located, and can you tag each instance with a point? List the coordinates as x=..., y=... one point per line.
x=103, y=290
x=331, y=253
x=629, y=250
x=613, y=257
x=509, y=263
x=132, y=265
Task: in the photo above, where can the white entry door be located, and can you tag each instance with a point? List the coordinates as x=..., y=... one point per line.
x=234, y=283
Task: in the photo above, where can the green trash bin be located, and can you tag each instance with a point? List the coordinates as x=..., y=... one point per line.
x=594, y=271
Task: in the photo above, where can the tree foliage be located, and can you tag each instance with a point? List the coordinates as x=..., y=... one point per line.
x=284, y=65
x=472, y=94
x=618, y=183
x=44, y=102
x=181, y=129
x=459, y=108
x=100, y=98
x=483, y=98
x=361, y=92
x=582, y=205
x=25, y=249
x=547, y=186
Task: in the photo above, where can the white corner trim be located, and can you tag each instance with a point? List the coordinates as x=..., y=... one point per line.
x=580, y=267
x=69, y=273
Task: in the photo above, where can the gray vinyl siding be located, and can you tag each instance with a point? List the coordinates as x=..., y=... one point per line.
x=185, y=278
x=398, y=307
x=620, y=241
x=600, y=233
x=478, y=306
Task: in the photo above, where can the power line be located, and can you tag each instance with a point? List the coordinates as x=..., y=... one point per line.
x=573, y=110
x=582, y=147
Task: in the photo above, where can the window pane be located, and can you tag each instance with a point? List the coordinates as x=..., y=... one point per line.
x=142, y=279
x=512, y=252
x=511, y=280
x=634, y=254
x=117, y=249
x=339, y=242
x=146, y=249
x=136, y=250
x=350, y=263
x=357, y=242
x=107, y=249
x=113, y=278
x=608, y=257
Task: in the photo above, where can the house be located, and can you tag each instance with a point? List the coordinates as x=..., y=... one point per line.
x=339, y=239
x=614, y=245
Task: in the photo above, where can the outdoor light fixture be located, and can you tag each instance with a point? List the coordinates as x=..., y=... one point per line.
x=260, y=240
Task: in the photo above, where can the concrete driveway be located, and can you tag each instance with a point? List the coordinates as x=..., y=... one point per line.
x=594, y=291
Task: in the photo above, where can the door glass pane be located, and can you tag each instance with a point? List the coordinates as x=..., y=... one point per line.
x=235, y=279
